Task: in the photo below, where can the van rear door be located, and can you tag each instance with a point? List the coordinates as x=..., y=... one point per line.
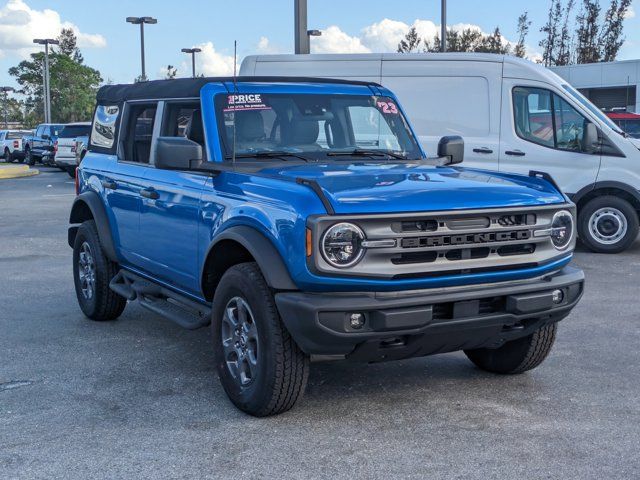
x=448, y=97
x=542, y=130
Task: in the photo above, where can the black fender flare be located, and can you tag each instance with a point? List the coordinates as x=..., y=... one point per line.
x=93, y=202
x=635, y=194
x=266, y=255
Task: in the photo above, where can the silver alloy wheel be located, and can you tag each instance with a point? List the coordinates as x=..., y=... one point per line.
x=86, y=271
x=607, y=225
x=240, y=341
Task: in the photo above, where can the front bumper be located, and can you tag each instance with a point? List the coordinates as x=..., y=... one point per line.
x=405, y=324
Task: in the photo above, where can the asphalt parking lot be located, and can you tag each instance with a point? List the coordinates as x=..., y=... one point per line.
x=139, y=397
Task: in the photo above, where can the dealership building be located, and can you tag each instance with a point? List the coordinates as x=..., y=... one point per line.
x=608, y=85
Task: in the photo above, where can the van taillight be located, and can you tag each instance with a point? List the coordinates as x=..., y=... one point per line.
x=77, y=183
x=55, y=146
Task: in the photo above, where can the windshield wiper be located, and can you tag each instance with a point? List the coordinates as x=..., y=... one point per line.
x=269, y=154
x=361, y=152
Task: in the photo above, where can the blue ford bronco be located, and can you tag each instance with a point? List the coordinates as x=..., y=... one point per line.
x=302, y=221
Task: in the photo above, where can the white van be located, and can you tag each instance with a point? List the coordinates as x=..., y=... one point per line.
x=514, y=116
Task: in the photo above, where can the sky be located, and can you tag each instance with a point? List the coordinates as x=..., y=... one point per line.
x=112, y=46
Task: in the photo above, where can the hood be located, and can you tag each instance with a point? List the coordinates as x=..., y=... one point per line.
x=409, y=187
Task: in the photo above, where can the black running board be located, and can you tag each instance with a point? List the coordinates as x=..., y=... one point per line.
x=161, y=300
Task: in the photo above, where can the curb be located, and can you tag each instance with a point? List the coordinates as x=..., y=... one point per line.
x=17, y=172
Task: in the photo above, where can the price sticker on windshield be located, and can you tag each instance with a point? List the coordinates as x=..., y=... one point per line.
x=388, y=107
x=247, y=101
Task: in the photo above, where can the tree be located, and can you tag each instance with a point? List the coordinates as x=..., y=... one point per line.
x=550, y=30
x=68, y=45
x=411, y=42
x=73, y=84
x=563, y=48
x=171, y=72
x=587, y=50
x=523, y=30
x=13, y=108
x=494, y=43
x=611, y=38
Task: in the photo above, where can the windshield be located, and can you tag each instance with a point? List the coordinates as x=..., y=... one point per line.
x=73, y=131
x=592, y=108
x=313, y=126
x=631, y=127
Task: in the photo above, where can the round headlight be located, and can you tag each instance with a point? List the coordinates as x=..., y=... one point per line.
x=562, y=229
x=342, y=245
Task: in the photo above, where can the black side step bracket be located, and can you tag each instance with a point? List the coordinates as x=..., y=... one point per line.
x=163, y=301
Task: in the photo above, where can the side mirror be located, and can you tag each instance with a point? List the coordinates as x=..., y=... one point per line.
x=177, y=153
x=451, y=148
x=590, y=138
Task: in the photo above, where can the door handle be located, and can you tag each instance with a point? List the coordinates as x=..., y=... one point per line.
x=110, y=184
x=150, y=193
x=515, y=153
x=483, y=150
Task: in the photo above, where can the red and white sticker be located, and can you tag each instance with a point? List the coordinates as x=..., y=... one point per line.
x=387, y=107
x=245, y=101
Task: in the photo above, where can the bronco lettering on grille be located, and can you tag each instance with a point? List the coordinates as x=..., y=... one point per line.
x=466, y=239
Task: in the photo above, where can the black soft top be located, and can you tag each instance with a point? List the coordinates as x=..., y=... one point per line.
x=190, y=87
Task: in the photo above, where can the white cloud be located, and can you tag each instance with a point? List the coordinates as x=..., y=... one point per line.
x=334, y=40
x=209, y=63
x=385, y=35
x=631, y=13
x=20, y=24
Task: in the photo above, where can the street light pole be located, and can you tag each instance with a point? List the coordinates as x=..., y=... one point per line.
x=141, y=21
x=6, y=91
x=302, y=34
x=443, y=26
x=193, y=52
x=47, y=86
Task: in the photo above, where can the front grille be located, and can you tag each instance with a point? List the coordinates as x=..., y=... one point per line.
x=450, y=243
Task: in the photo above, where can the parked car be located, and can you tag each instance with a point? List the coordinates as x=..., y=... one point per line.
x=628, y=122
x=503, y=107
x=301, y=219
x=65, y=154
x=39, y=146
x=11, y=144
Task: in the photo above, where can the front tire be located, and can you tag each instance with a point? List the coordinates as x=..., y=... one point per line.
x=607, y=224
x=29, y=159
x=7, y=156
x=261, y=368
x=92, y=272
x=516, y=356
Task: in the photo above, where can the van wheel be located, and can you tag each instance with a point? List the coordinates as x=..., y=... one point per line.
x=92, y=272
x=71, y=171
x=516, y=356
x=608, y=224
x=261, y=368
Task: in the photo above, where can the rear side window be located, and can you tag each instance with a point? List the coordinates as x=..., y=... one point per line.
x=103, y=133
x=545, y=118
x=138, y=133
x=73, y=131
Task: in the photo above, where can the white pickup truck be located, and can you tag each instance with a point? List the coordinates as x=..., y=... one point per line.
x=11, y=144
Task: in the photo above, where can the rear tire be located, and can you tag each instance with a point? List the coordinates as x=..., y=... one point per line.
x=261, y=368
x=92, y=272
x=516, y=356
x=71, y=171
x=607, y=224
